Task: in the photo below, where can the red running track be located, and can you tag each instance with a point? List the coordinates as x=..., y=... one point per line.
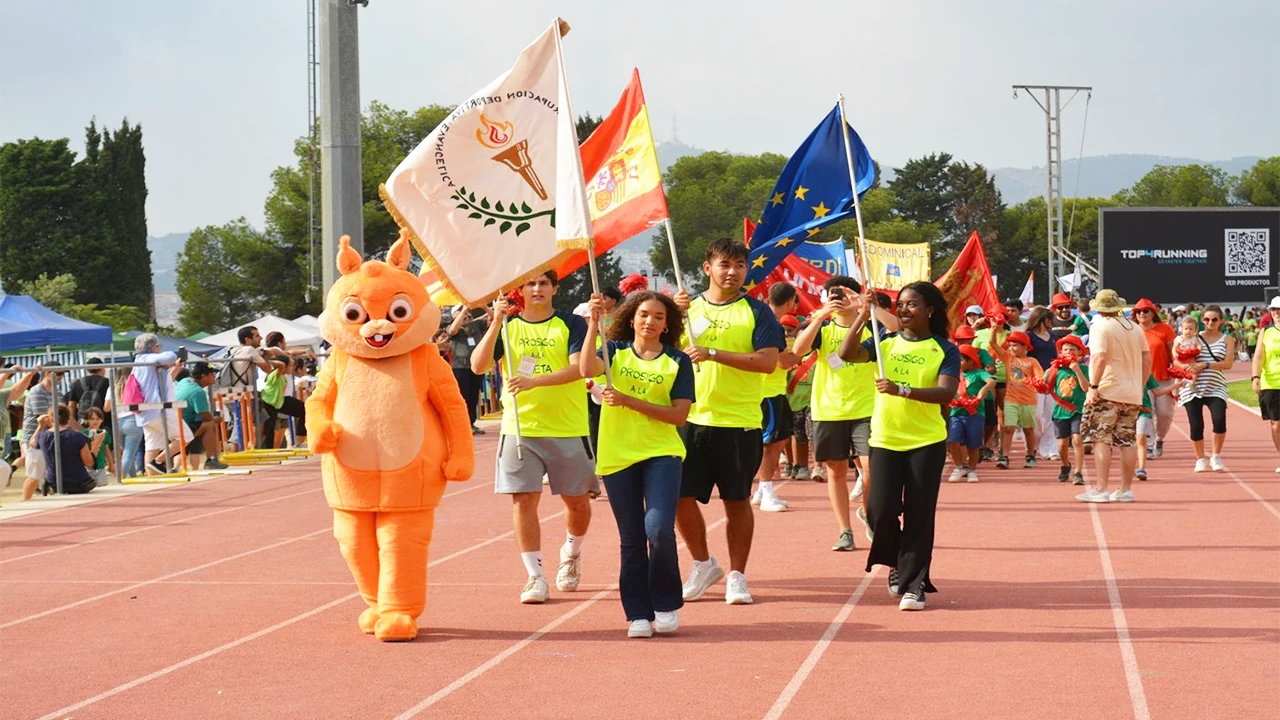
x=228, y=599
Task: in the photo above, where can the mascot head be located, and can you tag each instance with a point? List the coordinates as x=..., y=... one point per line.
x=378, y=309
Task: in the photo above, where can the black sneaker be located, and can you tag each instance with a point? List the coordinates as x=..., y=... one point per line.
x=215, y=464
x=1064, y=474
x=986, y=454
x=1002, y=462
x=476, y=431
x=158, y=467
x=894, y=590
x=1077, y=479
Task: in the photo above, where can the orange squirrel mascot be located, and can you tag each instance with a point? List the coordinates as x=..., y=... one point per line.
x=392, y=428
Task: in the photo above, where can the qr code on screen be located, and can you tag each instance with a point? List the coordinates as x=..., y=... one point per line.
x=1249, y=252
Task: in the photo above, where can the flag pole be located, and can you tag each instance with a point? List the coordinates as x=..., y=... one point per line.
x=862, y=236
x=675, y=259
x=577, y=159
x=515, y=405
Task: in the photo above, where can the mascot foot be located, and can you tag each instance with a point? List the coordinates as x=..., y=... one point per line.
x=368, y=620
x=395, y=627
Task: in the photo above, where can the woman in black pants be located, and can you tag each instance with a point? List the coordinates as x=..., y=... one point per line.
x=1217, y=354
x=908, y=437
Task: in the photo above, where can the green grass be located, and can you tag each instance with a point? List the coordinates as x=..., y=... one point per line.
x=1242, y=392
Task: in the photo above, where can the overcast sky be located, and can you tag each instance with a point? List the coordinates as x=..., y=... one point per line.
x=220, y=87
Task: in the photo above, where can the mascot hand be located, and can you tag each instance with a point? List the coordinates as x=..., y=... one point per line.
x=326, y=441
x=459, y=467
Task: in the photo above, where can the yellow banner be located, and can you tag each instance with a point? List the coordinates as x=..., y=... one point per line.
x=891, y=266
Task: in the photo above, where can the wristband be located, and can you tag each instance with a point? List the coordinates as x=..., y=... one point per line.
x=1256, y=377
x=904, y=390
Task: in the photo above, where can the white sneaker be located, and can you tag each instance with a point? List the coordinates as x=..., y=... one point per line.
x=972, y=476
x=640, y=629
x=1202, y=465
x=856, y=492
x=737, y=593
x=772, y=503
x=665, y=622
x=535, y=591
x=1122, y=496
x=956, y=475
x=700, y=579
x=757, y=496
x=911, y=601
x=1094, y=495
x=1216, y=464
x=819, y=474
x=801, y=474
x=570, y=571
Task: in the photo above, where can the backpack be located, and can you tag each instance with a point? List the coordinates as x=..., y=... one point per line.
x=232, y=378
x=91, y=396
x=132, y=393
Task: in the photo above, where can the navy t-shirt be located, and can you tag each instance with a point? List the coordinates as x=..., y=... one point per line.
x=75, y=477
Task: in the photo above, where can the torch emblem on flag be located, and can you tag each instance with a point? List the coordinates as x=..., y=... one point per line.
x=497, y=135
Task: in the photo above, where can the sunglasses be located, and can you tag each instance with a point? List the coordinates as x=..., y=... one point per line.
x=1211, y=319
x=1140, y=312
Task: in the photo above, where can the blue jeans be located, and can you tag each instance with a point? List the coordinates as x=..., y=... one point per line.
x=131, y=449
x=643, y=497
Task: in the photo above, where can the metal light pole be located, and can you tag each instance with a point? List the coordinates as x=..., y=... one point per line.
x=342, y=204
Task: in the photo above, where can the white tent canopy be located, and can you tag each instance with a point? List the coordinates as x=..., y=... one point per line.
x=310, y=321
x=295, y=334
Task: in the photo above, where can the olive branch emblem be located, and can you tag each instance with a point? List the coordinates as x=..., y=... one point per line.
x=506, y=217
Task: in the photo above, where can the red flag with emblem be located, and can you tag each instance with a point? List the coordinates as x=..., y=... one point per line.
x=968, y=282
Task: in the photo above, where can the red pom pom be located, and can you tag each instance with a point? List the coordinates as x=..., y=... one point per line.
x=1181, y=373
x=996, y=318
x=517, y=301
x=635, y=282
x=1187, y=354
x=966, y=402
x=1038, y=384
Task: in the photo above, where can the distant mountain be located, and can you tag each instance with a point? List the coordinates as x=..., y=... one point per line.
x=1100, y=175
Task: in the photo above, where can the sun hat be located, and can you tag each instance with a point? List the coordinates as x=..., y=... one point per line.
x=1180, y=308
x=1275, y=302
x=964, y=332
x=789, y=321
x=1145, y=304
x=1107, y=301
x=1075, y=341
x=1059, y=300
x=971, y=352
x=974, y=310
x=1021, y=338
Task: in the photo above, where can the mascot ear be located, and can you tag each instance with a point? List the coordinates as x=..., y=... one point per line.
x=398, y=256
x=348, y=259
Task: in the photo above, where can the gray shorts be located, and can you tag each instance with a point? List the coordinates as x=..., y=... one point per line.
x=567, y=463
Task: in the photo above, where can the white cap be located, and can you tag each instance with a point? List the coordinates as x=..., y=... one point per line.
x=1275, y=302
x=974, y=310
x=1180, y=308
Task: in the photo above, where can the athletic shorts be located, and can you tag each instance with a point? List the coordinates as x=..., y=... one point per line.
x=723, y=458
x=778, y=421
x=802, y=425
x=841, y=439
x=966, y=430
x=1064, y=429
x=1146, y=426
x=567, y=462
x=1269, y=403
x=153, y=433
x=1019, y=416
x=1110, y=423
x=991, y=419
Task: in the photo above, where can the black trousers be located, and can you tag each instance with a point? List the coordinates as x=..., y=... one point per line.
x=294, y=408
x=1195, y=416
x=905, y=482
x=469, y=385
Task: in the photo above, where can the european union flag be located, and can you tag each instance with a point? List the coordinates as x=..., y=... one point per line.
x=813, y=191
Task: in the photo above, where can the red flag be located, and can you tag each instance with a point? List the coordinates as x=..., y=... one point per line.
x=624, y=182
x=968, y=282
x=806, y=278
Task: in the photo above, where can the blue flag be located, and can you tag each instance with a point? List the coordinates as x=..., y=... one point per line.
x=813, y=191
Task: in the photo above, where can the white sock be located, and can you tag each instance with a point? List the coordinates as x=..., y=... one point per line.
x=532, y=562
x=766, y=486
x=572, y=545
x=705, y=564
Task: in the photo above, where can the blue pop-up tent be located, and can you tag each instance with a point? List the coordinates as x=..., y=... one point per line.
x=31, y=324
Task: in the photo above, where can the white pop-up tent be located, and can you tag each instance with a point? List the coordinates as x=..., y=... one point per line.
x=308, y=320
x=296, y=334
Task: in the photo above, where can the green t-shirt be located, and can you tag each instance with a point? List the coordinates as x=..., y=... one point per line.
x=628, y=436
x=982, y=341
x=974, y=381
x=1080, y=326
x=558, y=411
x=900, y=423
x=798, y=398
x=1146, y=395
x=1067, y=386
x=100, y=458
x=197, y=400
x=841, y=391
x=728, y=397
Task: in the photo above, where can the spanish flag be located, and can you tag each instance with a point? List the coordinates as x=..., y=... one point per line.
x=624, y=180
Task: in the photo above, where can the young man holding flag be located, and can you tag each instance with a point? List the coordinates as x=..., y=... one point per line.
x=734, y=341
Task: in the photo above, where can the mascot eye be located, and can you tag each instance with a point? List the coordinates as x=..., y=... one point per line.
x=353, y=312
x=400, y=310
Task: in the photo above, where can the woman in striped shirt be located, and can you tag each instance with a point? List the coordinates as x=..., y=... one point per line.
x=1209, y=389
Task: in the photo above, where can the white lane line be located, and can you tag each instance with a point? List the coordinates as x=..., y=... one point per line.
x=61, y=713
x=162, y=578
x=1246, y=408
x=135, y=531
x=1137, y=696
x=810, y=662
x=494, y=661
x=1241, y=483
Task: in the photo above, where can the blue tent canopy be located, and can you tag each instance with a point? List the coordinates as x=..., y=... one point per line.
x=34, y=325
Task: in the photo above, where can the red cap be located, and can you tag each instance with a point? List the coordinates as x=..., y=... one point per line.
x=1145, y=304
x=964, y=332
x=1021, y=338
x=1075, y=341
x=789, y=321
x=972, y=353
x=1059, y=300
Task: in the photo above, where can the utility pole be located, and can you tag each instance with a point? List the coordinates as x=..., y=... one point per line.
x=1052, y=107
x=313, y=148
x=342, y=206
